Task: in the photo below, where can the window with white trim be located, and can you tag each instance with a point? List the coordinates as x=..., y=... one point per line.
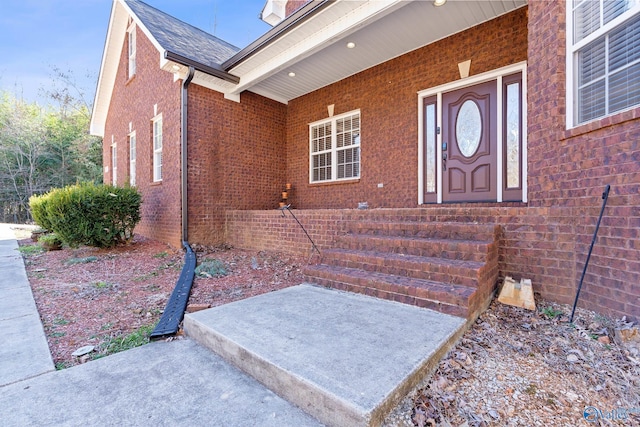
x=335, y=148
x=114, y=164
x=132, y=159
x=157, y=148
x=131, y=41
x=604, y=52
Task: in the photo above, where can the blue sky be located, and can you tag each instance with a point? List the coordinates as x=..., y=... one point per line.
x=37, y=35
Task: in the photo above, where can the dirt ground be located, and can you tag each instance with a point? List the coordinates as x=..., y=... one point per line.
x=107, y=297
x=513, y=367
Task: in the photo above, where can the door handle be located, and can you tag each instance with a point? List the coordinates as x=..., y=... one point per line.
x=444, y=161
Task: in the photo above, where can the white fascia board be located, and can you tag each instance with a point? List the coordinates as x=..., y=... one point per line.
x=108, y=69
x=213, y=83
x=326, y=34
x=120, y=12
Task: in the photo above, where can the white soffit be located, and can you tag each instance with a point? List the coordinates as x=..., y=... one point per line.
x=316, y=51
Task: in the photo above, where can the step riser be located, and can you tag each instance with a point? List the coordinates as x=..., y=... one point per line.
x=428, y=271
x=424, y=230
x=444, y=294
x=454, y=250
x=307, y=396
x=440, y=306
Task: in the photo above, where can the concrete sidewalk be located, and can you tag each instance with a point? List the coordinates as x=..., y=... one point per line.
x=24, y=352
x=176, y=383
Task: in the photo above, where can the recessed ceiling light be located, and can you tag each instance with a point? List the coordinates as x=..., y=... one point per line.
x=175, y=67
x=292, y=74
x=439, y=2
x=351, y=45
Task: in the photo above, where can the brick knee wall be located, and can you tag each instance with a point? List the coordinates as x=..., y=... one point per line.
x=548, y=245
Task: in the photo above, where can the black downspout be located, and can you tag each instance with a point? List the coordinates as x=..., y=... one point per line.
x=174, y=311
x=183, y=148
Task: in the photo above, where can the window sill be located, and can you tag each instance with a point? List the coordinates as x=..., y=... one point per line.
x=155, y=183
x=612, y=120
x=325, y=183
x=130, y=79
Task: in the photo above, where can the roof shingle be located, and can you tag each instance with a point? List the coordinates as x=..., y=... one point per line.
x=182, y=38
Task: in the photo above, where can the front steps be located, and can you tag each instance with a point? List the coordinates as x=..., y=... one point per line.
x=451, y=267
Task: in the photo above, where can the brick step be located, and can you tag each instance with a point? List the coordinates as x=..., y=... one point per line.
x=439, y=230
x=464, y=250
x=452, y=299
x=457, y=272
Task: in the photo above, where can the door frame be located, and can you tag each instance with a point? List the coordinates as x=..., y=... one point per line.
x=437, y=91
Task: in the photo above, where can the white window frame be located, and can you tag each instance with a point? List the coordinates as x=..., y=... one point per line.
x=333, y=151
x=572, y=61
x=156, y=142
x=132, y=158
x=131, y=49
x=114, y=164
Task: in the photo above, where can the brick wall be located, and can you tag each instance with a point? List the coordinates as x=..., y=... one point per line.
x=568, y=170
x=132, y=102
x=386, y=96
x=293, y=5
x=236, y=158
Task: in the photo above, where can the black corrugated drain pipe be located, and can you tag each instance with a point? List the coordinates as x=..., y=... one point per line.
x=174, y=311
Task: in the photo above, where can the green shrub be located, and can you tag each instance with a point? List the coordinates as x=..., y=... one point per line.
x=89, y=214
x=50, y=241
x=38, y=205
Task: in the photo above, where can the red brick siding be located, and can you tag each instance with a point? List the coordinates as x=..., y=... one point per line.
x=568, y=171
x=132, y=101
x=236, y=158
x=387, y=97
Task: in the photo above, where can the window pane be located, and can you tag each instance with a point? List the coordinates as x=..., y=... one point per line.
x=591, y=101
x=591, y=62
x=132, y=159
x=348, y=131
x=586, y=19
x=348, y=162
x=157, y=166
x=513, y=135
x=624, y=45
x=615, y=8
x=624, y=88
x=430, y=149
x=322, y=167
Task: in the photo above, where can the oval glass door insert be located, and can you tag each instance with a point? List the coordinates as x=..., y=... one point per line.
x=468, y=128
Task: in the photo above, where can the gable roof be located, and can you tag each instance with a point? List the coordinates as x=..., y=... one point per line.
x=175, y=41
x=181, y=38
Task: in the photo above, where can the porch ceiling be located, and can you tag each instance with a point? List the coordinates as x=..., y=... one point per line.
x=398, y=28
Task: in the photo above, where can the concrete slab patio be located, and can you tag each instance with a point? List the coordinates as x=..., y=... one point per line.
x=24, y=352
x=344, y=358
